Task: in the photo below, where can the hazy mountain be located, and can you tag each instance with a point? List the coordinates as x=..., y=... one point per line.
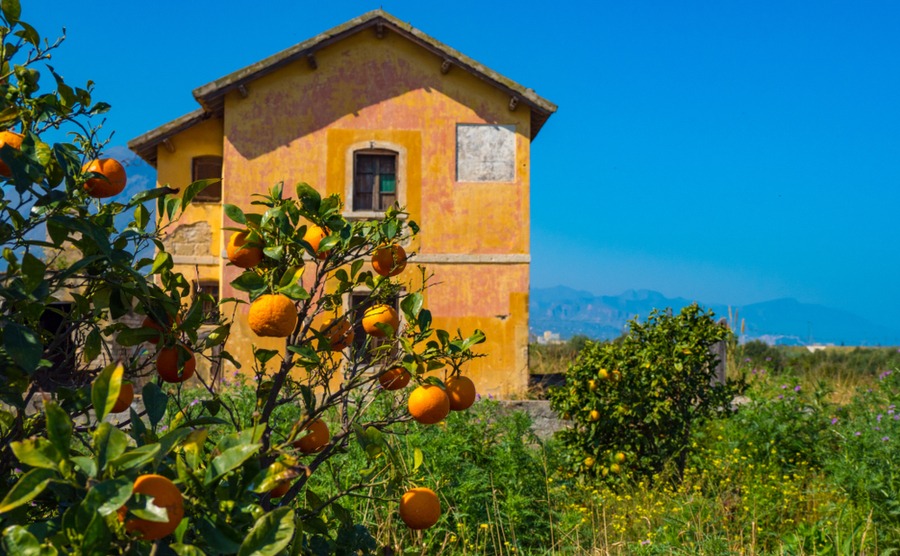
x=568, y=312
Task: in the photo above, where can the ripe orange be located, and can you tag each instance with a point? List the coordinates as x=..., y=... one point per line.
x=14, y=140
x=384, y=314
x=280, y=489
x=420, y=508
x=112, y=181
x=394, y=378
x=620, y=457
x=428, y=404
x=167, y=364
x=273, y=315
x=615, y=468
x=149, y=322
x=461, y=391
x=315, y=436
x=240, y=253
x=339, y=333
x=589, y=462
x=389, y=260
x=165, y=495
x=126, y=396
x=595, y=415
x=314, y=236
x=603, y=374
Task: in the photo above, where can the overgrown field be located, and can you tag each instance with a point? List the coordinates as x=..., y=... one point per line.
x=796, y=470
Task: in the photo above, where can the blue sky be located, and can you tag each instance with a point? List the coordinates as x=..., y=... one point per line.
x=731, y=152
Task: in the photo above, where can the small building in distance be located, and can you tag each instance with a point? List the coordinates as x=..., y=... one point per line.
x=378, y=112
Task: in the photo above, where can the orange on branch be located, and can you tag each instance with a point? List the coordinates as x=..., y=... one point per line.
x=461, y=391
x=314, y=236
x=111, y=180
x=273, y=315
x=339, y=332
x=420, y=508
x=243, y=254
x=168, y=365
x=384, y=314
x=428, y=404
x=14, y=140
x=394, y=378
x=389, y=260
x=165, y=495
x=280, y=489
x=126, y=396
x=314, y=437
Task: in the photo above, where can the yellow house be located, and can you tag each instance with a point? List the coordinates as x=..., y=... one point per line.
x=378, y=112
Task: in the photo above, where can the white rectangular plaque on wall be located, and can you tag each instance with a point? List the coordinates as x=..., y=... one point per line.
x=485, y=152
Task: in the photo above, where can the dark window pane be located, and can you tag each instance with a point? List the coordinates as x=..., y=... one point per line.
x=375, y=180
x=208, y=167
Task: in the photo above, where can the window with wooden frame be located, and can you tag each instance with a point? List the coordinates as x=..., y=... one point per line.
x=210, y=307
x=374, y=179
x=206, y=168
x=359, y=302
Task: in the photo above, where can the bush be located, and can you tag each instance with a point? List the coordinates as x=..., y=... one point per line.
x=635, y=401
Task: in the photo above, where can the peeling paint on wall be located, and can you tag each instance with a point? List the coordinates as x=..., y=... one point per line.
x=189, y=239
x=485, y=152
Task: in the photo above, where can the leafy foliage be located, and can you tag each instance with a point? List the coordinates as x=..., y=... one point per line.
x=67, y=468
x=635, y=401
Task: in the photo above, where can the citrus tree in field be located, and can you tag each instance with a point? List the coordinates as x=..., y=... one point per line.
x=634, y=401
x=193, y=468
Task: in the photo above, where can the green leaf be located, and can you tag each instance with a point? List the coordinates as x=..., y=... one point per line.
x=141, y=217
x=17, y=540
x=411, y=305
x=191, y=191
x=136, y=457
x=250, y=282
x=92, y=345
x=23, y=345
x=235, y=213
x=155, y=402
x=135, y=336
x=29, y=486
x=291, y=276
x=270, y=535
x=33, y=270
x=109, y=444
x=12, y=10
x=37, y=452
x=229, y=460
x=86, y=464
x=329, y=242
x=418, y=458
x=105, y=390
x=96, y=536
x=186, y=550
x=162, y=261
x=108, y=496
x=309, y=197
x=59, y=428
x=219, y=536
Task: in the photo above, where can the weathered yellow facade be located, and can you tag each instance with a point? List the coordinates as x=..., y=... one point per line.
x=376, y=83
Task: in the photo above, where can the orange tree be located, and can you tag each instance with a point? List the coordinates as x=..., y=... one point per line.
x=634, y=401
x=209, y=476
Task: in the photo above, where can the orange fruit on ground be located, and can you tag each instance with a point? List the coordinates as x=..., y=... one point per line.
x=126, y=396
x=165, y=495
x=420, y=508
x=394, y=378
x=339, y=333
x=240, y=253
x=314, y=437
x=389, y=260
x=273, y=315
x=384, y=314
x=314, y=236
x=112, y=171
x=280, y=489
x=428, y=404
x=14, y=140
x=461, y=391
x=167, y=364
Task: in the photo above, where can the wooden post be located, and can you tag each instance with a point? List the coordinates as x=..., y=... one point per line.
x=720, y=351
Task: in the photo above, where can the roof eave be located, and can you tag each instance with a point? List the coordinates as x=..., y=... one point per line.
x=145, y=146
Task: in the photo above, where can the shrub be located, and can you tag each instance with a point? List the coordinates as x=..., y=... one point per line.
x=635, y=401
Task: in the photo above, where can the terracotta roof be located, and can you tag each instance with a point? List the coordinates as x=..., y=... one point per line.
x=212, y=95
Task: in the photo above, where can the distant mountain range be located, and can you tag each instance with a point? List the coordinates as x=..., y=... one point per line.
x=569, y=312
